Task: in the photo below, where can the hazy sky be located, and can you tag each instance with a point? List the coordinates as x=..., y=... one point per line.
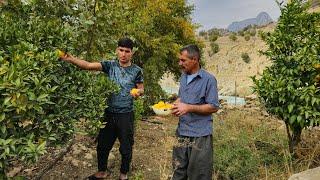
x=221, y=13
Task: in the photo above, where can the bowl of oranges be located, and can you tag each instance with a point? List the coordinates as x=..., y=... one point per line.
x=162, y=108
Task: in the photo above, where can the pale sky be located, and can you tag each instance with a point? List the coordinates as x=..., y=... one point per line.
x=221, y=13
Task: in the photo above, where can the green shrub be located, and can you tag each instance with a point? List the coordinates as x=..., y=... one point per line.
x=138, y=109
x=247, y=37
x=242, y=154
x=233, y=37
x=262, y=34
x=235, y=159
x=203, y=33
x=245, y=57
x=213, y=38
x=214, y=47
x=252, y=32
x=215, y=32
x=241, y=33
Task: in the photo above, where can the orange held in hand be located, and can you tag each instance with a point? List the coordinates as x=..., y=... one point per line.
x=60, y=53
x=134, y=91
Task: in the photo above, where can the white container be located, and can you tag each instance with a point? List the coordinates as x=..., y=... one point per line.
x=161, y=112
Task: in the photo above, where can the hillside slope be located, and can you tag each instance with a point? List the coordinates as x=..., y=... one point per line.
x=232, y=73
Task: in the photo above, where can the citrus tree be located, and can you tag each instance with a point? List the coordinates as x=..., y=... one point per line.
x=161, y=28
x=42, y=97
x=289, y=87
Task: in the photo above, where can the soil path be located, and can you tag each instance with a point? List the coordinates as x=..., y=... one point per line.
x=154, y=138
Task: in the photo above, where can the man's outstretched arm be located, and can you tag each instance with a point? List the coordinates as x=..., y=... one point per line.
x=82, y=64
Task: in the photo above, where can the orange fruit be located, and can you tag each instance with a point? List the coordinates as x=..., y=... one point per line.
x=60, y=53
x=134, y=91
x=163, y=105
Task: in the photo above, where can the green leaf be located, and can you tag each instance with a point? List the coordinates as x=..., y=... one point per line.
x=42, y=96
x=6, y=100
x=2, y=117
x=313, y=100
x=306, y=114
x=299, y=118
x=54, y=88
x=89, y=22
x=3, y=129
x=311, y=122
x=41, y=146
x=18, y=82
x=292, y=119
x=31, y=96
x=290, y=107
x=52, y=138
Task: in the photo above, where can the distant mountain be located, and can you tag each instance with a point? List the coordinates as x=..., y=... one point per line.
x=263, y=18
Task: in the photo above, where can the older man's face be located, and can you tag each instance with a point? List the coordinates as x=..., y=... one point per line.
x=188, y=65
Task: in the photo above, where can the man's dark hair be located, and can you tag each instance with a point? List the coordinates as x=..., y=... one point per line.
x=125, y=42
x=193, y=51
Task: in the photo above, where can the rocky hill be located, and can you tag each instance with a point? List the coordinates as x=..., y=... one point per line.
x=232, y=73
x=262, y=19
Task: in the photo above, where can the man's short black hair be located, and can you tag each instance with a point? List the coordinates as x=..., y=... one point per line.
x=193, y=51
x=125, y=42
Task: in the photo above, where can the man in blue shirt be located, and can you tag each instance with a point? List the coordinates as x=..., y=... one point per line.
x=119, y=114
x=198, y=99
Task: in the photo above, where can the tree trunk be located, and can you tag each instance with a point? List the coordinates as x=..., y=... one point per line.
x=91, y=32
x=294, y=138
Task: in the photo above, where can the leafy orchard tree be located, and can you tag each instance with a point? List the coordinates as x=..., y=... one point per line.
x=160, y=29
x=288, y=88
x=42, y=97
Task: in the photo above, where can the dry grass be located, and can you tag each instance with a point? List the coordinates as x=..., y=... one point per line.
x=164, y=164
x=256, y=147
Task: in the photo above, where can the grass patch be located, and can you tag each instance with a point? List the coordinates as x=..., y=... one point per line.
x=247, y=148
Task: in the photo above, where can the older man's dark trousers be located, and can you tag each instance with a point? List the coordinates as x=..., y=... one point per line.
x=193, y=158
x=121, y=126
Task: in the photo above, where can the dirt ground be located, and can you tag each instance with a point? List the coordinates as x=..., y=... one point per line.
x=154, y=138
